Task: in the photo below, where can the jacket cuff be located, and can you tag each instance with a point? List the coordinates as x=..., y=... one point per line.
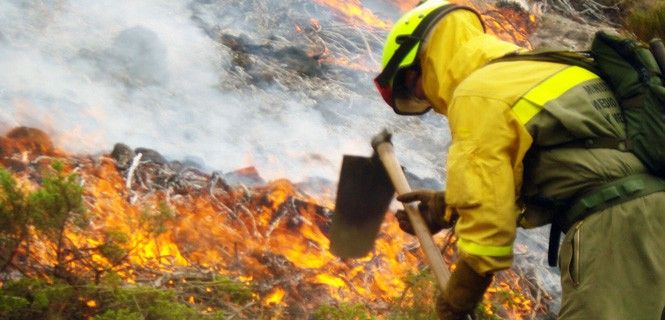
x=487, y=264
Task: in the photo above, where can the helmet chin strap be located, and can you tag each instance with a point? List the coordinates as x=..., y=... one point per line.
x=411, y=106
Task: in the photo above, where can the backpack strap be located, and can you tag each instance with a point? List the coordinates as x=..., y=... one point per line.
x=593, y=143
x=581, y=59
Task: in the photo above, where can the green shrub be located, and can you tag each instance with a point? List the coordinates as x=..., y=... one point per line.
x=12, y=307
x=13, y=218
x=32, y=299
x=37, y=299
x=157, y=221
x=121, y=314
x=417, y=302
x=114, y=247
x=58, y=202
x=343, y=312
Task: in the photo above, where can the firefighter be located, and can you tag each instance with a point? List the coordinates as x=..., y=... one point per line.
x=514, y=161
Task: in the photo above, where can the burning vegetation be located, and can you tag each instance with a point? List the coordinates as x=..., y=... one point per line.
x=347, y=51
x=131, y=235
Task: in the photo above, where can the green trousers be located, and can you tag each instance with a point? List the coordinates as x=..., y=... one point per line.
x=613, y=263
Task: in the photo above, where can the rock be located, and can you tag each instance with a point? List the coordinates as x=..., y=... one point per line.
x=189, y=162
x=32, y=140
x=8, y=147
x=317, y=186
x=137, y=57
x=248, y=176
x=123, y=155
x=151, y=155
x=556, y=31
x=193, y=162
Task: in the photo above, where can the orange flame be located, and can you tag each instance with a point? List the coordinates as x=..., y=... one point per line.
x=356, y=14
x=275, y=297
x=281, y=221
x=259, y=236
x=508, y=23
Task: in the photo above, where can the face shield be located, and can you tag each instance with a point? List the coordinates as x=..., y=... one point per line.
x=400, y=95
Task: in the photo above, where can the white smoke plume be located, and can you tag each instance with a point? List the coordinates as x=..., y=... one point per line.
x=147, y=73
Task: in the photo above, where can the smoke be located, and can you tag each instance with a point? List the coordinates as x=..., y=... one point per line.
x=149, y=74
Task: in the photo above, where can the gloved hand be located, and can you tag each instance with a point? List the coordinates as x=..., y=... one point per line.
x=463, y=292
x=432, y=207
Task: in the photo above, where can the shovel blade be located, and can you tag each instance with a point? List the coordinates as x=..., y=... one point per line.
x=363, y=196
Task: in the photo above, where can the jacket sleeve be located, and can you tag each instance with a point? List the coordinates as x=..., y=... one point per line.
x=484, y=175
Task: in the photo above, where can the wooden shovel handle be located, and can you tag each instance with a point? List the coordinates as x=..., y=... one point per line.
x=387, y=155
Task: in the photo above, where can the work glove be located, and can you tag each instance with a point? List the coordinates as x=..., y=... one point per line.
x=464, y=291
x=432, y=207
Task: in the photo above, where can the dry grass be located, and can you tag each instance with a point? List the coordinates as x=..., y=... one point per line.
x=646, y=19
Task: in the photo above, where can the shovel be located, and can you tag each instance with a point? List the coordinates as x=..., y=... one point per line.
x=366, y=188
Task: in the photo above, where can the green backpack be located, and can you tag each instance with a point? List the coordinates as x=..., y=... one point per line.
x=632, y=71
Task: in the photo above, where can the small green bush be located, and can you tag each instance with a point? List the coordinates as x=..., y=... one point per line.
x=343, y=312
x=52, y=210
x=36, y=299
x=12, y=307
x=121, y=314
x=33, y=299
x=14, y=217
x=114, y=247
x=417, y=302
x=57, y=203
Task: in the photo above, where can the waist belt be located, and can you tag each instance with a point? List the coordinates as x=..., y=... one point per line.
x=603, y=197
x=611, y=194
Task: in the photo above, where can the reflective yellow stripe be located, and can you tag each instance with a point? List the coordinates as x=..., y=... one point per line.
x=532, y=102
x=481, y=250
x=525, y=110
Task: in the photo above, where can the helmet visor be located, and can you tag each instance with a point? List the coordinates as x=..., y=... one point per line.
x=400, y=97
x=386, y=91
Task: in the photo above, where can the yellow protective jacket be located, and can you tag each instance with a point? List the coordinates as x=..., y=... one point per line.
x=495, y=116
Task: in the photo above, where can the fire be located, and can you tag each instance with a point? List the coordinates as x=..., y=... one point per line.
x=272, y=236
x=508, y=22
x=275, y=297
x=278, y=219
x=355, y=13
x=512, y=300
x=511, y=23
x=406, y=5
x=262, y=236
